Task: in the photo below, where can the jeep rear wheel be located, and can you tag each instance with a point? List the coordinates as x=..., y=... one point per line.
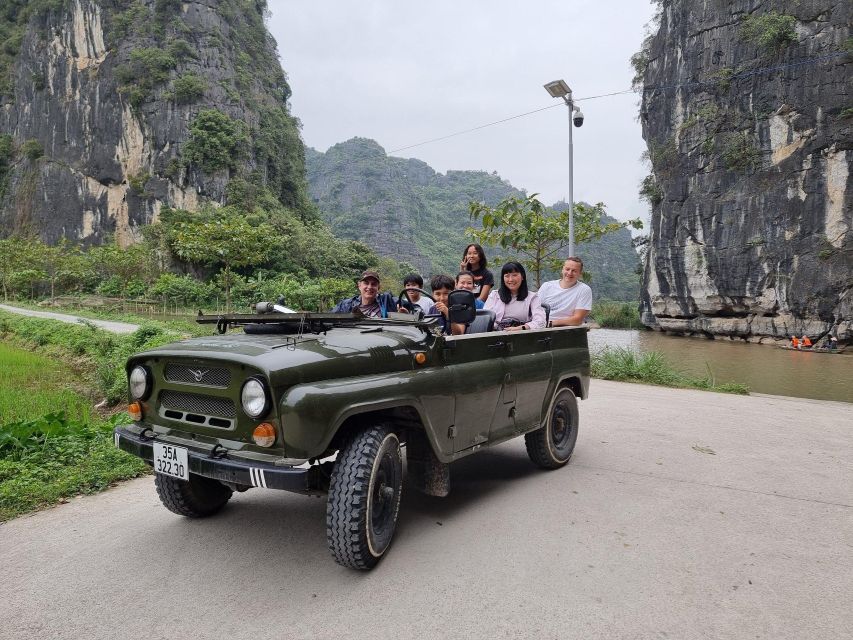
x=195, y=498
x=551, y=446
x=364, y=498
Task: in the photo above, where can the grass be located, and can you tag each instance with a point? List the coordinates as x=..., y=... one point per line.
x=101, y=355
x=652, y=367
x=616, y=315
x=32, y=384
x=53, y=445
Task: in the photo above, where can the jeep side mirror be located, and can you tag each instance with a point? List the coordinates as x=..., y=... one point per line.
x=461, y=306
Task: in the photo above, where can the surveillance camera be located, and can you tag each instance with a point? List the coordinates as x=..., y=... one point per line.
x=578, y=118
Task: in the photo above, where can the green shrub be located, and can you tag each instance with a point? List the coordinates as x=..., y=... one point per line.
x=740, y=152
x=651, y=191
x=180, y=49
x=185, y=288
x=771, y=31
x=216, y=141
x=188, y=88
x=616, y=315
x=137, y=182
x=32, y=150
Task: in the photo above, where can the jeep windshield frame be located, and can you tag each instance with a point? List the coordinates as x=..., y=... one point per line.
x=309, y=322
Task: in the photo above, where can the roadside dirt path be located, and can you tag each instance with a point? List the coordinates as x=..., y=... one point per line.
x=109, y=325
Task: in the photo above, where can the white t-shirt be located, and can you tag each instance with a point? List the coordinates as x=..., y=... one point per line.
x=424, y=303
x=564, y=302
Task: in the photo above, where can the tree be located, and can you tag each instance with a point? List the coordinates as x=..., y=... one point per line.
x=535, y=233
x=18, y=255
x=224, y=237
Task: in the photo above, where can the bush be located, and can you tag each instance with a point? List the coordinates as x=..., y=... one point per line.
x=32, y=150
x=616, y=315
x=770, y=31
x=188, y=88
x=651, y=191
x=190, y=290
x=740, y=152
x=216, y=141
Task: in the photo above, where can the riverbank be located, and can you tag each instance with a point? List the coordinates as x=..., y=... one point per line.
x=683, y=514
x=763, y=368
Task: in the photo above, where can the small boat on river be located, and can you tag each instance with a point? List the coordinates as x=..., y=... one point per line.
x=812, y=349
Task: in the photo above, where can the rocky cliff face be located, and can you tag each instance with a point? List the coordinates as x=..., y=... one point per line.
x=117, y=108
x=746, y=111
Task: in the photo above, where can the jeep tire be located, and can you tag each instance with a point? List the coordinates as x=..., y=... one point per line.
x=197, y=497
x=551, y=446
x=364, y=497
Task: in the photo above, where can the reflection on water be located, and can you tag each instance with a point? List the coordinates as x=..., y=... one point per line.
x=765, y=368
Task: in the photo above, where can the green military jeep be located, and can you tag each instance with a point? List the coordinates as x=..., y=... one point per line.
x=323, y=403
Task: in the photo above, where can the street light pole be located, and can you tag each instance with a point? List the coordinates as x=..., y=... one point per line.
x=559, y=89
x=568, y=101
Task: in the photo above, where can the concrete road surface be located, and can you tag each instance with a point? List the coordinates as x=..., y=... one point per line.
x=109, y=325
x=683, y=514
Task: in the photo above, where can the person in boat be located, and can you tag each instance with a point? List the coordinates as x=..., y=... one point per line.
x=833, y=343
x=805, y=342
x=795, y=342
x=369, y=300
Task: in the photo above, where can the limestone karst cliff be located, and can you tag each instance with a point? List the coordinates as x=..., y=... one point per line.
x=747, y=113
x=112, y=109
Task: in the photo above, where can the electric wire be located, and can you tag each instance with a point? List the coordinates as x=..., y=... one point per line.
x=644, y=89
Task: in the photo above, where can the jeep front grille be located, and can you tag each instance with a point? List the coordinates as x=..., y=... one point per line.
x=196, y=404
x=205, y=376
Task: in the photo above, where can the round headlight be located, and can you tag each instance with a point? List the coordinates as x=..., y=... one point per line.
x=140, y=383
x=254, y=398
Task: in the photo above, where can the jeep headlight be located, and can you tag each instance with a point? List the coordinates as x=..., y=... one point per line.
x=139, y=383
x=254, y=398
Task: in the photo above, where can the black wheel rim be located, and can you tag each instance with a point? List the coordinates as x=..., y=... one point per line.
x=562, y=426
x=384, y=497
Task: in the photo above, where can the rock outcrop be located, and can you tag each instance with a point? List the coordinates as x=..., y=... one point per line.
x=747, y=115
x=102, y=118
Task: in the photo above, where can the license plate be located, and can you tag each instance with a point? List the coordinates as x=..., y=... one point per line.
x=171, y=461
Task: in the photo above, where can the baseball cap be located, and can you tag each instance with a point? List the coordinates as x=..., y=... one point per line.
x=370, y=274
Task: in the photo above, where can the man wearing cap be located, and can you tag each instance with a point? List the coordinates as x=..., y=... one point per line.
x=369, y=301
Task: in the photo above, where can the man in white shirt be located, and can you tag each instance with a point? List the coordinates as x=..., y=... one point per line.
x=570, y=300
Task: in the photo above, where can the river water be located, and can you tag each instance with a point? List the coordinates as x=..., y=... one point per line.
x=764, y=368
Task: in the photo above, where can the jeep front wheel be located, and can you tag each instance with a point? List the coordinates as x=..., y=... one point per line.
x=551, y=446
x=364, y=498
x=195, y=498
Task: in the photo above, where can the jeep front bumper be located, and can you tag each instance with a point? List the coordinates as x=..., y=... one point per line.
x=217, y=465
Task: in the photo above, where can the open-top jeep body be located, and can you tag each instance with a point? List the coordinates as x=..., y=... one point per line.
x=319, y=403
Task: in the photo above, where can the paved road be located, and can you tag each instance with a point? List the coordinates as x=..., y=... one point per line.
x=683, y=514
x=115, y=327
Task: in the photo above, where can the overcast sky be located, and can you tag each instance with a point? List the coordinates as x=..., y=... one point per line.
x=402, y=73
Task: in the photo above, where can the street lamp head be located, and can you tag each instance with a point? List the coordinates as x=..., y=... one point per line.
x=558, y=89
x=577, y=118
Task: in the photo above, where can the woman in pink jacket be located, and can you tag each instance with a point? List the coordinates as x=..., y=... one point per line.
x=516, y=308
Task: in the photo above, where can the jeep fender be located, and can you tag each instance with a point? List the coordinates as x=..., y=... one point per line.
x=312, y=413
